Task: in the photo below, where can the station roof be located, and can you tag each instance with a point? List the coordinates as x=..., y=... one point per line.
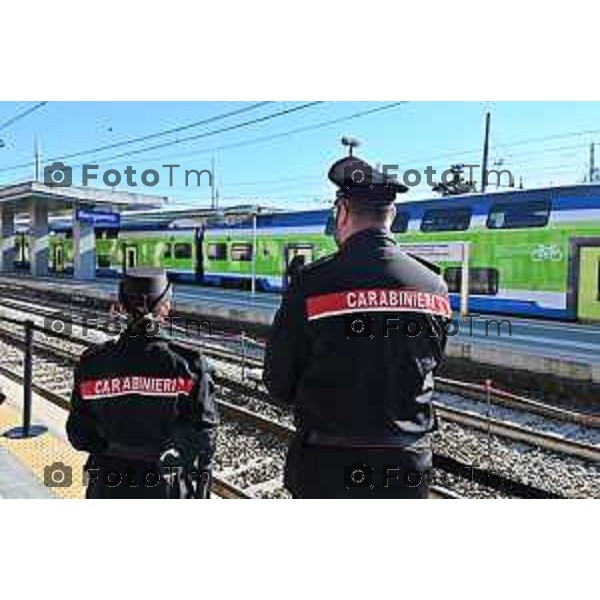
x=194, y=216
x=20, y=197
x=181, y=217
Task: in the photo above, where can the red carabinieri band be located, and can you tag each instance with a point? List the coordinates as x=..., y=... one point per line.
x=134, y=384
x=377, y=300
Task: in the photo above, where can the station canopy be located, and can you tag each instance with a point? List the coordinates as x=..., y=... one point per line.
x=21, y=197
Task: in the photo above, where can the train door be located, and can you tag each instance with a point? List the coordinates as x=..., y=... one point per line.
x=296, y=256
x=199, y=264
x=129, y=257
x=588, y=285
x=22, y=255
x=59, y=258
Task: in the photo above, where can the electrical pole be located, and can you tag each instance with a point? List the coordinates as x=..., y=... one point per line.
x=486, y=147
x=36, y=158
x=498, y=163
x=592, y=165
x=212, y=182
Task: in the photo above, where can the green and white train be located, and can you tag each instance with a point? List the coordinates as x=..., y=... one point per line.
x=531, y=252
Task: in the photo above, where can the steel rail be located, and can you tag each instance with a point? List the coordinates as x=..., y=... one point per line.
x=517, y=433
x=464, y=418
x=474, y=391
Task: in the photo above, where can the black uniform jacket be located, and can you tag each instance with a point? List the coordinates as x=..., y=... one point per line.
x=356, y=340
x=135, y=396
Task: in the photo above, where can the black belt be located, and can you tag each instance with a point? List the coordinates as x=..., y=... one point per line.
x=397, y=440
x=129, y=453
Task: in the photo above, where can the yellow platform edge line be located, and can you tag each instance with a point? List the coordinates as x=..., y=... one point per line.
x=43, y=455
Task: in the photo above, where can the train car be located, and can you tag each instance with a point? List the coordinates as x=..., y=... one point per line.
x=60, y=258
x=532, y=252
x=22, y=250
x=228, y=251
x=178, y=250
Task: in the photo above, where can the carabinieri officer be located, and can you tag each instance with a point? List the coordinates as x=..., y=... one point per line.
x=143, y=405
x=353, y=349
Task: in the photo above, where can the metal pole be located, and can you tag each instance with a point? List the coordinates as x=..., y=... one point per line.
x=36, y=157
x=486, y=143
x=212, y=187
x=592, y=163
x=243, y=357
x=27, y=370
x=464, y=281
x=488, y=394
x=27, y=430
x=254, y=253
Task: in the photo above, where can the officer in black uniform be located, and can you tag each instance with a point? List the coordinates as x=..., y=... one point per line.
x=143, y=406
x=353, y=349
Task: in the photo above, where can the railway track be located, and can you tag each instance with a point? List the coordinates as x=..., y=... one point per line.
x=249, y=352
x=219, y=485
x=50, y=352
x=48, y=386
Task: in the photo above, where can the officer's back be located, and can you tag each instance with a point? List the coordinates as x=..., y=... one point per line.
x=138, y=396
x=371, y=347
x=353, y=348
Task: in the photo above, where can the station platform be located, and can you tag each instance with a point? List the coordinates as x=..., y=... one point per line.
x=27, y=464
x=566, y=350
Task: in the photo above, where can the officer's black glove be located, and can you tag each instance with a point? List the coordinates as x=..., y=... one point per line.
x=186, y=476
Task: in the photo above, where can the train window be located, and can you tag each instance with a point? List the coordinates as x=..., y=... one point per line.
x=241, y=252
x=481, y=281
x=167, y=252
x=103, y=261
x=107, y=234
x=534, y=213
x=446, y=219
x=182, y=251
x=217, y=251
x=400, y=223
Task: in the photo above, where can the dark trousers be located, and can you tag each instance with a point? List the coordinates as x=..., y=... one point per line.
x=119, y=479
x=331, y=472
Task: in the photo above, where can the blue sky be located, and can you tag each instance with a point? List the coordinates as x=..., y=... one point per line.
x=291, y=170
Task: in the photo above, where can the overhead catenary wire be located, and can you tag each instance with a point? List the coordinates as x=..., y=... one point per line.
x=280, y=135
x=146, y=137
x=312, y=127
x=197, y=136
x=22, y=115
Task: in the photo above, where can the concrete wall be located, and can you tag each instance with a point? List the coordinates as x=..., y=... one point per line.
x=39, y=250
x=7, y=238
x=84, y=248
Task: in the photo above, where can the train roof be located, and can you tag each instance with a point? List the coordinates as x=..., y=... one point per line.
x=565, y=197
x=570, y=197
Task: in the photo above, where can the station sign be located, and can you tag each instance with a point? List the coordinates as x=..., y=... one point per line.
x=98, y=218
x=437, y=252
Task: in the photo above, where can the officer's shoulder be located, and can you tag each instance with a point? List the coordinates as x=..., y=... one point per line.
x=189, y=354
x=318, y=265
x=431, y=266
x=421, y=274
x=92, y=353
